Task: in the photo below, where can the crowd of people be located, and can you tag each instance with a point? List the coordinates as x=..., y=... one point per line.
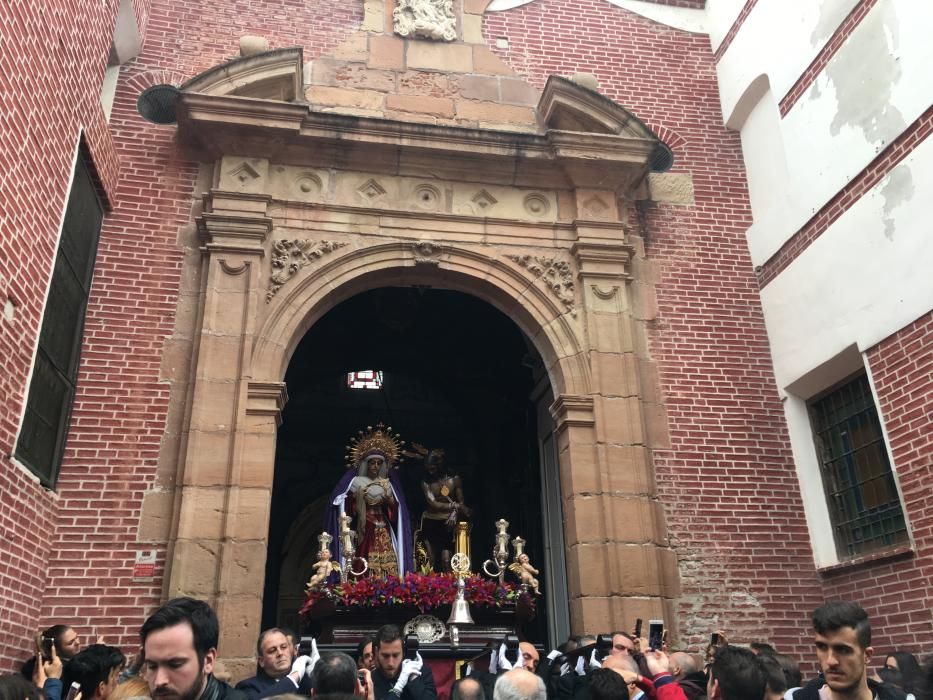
x=178, y=653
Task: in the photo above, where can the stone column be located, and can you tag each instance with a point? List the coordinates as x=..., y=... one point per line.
x=620, y=566
x=219, y=551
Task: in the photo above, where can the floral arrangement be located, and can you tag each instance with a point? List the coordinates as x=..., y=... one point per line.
x=422, y=591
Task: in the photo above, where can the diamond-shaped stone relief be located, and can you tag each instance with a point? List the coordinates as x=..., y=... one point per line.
x=484, y=201
x=595, y=206
x=245, y=173
x=371, y=190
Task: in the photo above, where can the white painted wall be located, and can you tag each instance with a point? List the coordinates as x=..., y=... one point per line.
x=779, y=38
x=720, y=16
x=867, y=276
x=876, y=85
x=766, y=164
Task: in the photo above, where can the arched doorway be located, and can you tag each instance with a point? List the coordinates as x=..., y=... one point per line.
x=456, y=373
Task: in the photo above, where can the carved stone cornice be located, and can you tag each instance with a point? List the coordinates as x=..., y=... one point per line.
x=213, y=125
x=289, y=256
x=597, y=261
x=266, y=399
x=569, y=410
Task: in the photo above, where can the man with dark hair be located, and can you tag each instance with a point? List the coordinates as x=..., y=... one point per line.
x=775, y=683
x=273, y=660
x=364, y=653
x=793, y=679
x=843, y=649
x=735, y=674
x=621, y=644
x=179, y=642
x=96, y=670
x=294, y=639
x=396, y=677
x=606, y=684
x=336, y=672
x=760, y=648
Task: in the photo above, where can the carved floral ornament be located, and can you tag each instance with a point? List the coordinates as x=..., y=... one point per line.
x=290, y=255
x=556, y=275
x=427, y=19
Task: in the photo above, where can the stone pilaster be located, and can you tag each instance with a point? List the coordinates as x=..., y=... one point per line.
x=619, y=563
x=220, y=544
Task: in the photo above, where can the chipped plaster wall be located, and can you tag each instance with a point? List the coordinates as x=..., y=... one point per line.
x=873, y=88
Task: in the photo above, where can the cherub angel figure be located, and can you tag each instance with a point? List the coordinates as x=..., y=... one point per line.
x=526, y=573
x=322, y=570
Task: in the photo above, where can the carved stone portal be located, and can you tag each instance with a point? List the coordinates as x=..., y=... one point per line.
x=428, y=19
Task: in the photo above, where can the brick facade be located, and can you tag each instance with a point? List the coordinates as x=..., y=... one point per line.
x=896, y=592
x=51, y=66
x=727, y=479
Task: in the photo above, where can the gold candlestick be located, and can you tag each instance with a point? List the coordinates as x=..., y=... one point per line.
x=463, y=538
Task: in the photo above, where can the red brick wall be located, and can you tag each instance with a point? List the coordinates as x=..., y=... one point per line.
x=121, y=405
x=51, y=66
x=897, y=593
x=728, y=482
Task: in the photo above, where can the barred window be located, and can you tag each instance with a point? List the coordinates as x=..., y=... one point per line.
x=864, y=505
x=41, y=440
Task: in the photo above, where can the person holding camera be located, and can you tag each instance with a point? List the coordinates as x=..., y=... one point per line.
x=398, y=677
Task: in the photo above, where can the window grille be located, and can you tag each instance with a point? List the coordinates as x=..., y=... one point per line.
x=864, y=504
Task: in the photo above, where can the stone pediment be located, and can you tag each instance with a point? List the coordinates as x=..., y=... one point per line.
x=568, y=106
x=272, y=75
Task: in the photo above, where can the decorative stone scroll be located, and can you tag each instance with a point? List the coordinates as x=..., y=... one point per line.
x=428, y=19
x=289, y=256
x=556, y=275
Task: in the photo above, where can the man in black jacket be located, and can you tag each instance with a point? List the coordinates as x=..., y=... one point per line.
x=273, y=661
x=396, y=677
x=179, y=642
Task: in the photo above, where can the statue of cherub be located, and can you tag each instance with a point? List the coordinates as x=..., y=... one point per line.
x=322, y=570
x=526, y=573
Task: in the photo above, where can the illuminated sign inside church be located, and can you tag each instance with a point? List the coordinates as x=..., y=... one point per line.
x=364, y=379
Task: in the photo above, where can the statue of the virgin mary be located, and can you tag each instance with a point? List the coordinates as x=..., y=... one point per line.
x=371, y=493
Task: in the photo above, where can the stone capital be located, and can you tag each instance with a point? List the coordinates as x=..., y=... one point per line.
x=229, y=233
x=266, y=399
x=603, y=261
x=569, y=410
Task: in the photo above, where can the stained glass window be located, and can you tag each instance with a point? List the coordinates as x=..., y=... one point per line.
x=364, y=379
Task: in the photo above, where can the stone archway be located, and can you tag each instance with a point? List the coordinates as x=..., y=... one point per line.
x=535, y=225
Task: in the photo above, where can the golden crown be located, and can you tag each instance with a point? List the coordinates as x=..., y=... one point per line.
x=379, y=440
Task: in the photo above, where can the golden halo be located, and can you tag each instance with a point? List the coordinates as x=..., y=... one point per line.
x=379, y=440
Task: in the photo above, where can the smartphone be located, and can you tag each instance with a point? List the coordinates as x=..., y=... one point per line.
x=73, y=691
x=655, y=633
x=411, y=646
x=638, y=628
x=46, y=644
x=361, y=677
x=715, y=639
